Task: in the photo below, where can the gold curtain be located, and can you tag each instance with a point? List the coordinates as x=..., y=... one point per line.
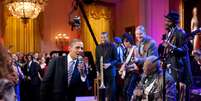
x=100, y=19
x=21, y=37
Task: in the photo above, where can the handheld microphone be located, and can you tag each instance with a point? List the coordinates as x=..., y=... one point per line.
x=81, y=67
x=80, y=59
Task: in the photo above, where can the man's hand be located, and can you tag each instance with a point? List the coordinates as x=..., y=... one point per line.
x=134, y=66
x=82, y=70
x=122, y=68
x=81, y=66
x=138, y=92
x=168, y=44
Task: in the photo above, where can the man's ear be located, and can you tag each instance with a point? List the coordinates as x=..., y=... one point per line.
x=69, y=47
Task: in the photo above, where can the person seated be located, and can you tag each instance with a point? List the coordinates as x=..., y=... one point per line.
x=150, y=88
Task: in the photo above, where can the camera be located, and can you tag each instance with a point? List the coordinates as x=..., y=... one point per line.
x=75, y=22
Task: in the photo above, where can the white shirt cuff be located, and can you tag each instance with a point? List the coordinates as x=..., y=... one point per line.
x=83, y=78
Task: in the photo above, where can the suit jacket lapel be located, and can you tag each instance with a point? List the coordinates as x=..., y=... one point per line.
x=65, y=66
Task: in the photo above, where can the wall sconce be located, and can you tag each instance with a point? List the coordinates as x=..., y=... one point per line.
x=62, y=41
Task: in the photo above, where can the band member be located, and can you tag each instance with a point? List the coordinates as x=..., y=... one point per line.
x=120, y=53
x=175, y=53
x=145, y=46
x=65, y=75
x=150, y=87
x=129, y=70
x=120, y=49
x=110, y=59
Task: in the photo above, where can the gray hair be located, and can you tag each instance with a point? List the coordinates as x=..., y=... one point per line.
x=140, y=29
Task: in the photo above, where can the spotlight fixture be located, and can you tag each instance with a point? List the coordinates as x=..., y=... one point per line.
x=75, y=22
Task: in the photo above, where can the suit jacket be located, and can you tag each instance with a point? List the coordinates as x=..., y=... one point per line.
x=109, y=53
x=156, y=91
x=149, y=47
x=33, y=70
x=55, y=87
x=179, y=59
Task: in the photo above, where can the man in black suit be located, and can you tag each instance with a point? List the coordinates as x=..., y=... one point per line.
x=31, y=85
x=174, y=49
x=110, y=59
x=65, y=75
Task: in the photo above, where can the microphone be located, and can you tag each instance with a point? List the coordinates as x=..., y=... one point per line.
x=81, y=66
x=80, y=59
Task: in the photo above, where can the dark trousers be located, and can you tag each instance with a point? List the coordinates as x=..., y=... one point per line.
x=119, y=85
x=110, y=84
x=34, y=93
x=130, y=83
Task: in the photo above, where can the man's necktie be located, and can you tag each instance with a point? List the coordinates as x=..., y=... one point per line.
x=140, y=49
x=70, y=71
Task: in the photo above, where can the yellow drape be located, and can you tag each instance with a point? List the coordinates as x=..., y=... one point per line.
x=100, y=19
x=19, y=36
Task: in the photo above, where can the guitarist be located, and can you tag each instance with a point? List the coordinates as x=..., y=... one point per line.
x=176, y=55
x=136, y=55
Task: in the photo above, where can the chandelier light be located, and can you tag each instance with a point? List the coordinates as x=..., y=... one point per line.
x=25, y=9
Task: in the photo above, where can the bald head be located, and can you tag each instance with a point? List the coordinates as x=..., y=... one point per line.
x=151, y=65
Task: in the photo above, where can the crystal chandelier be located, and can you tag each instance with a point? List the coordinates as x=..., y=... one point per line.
x=25, y=9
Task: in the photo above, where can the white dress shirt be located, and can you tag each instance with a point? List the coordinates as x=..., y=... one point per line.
x=83, y=78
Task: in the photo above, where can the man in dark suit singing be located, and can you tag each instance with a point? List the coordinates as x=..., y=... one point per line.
x=65, y=75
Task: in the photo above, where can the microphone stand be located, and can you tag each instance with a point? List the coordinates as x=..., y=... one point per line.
x=164, y=66
x=163, y=58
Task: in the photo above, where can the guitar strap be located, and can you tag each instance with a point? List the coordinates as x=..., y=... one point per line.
x=130, y=54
